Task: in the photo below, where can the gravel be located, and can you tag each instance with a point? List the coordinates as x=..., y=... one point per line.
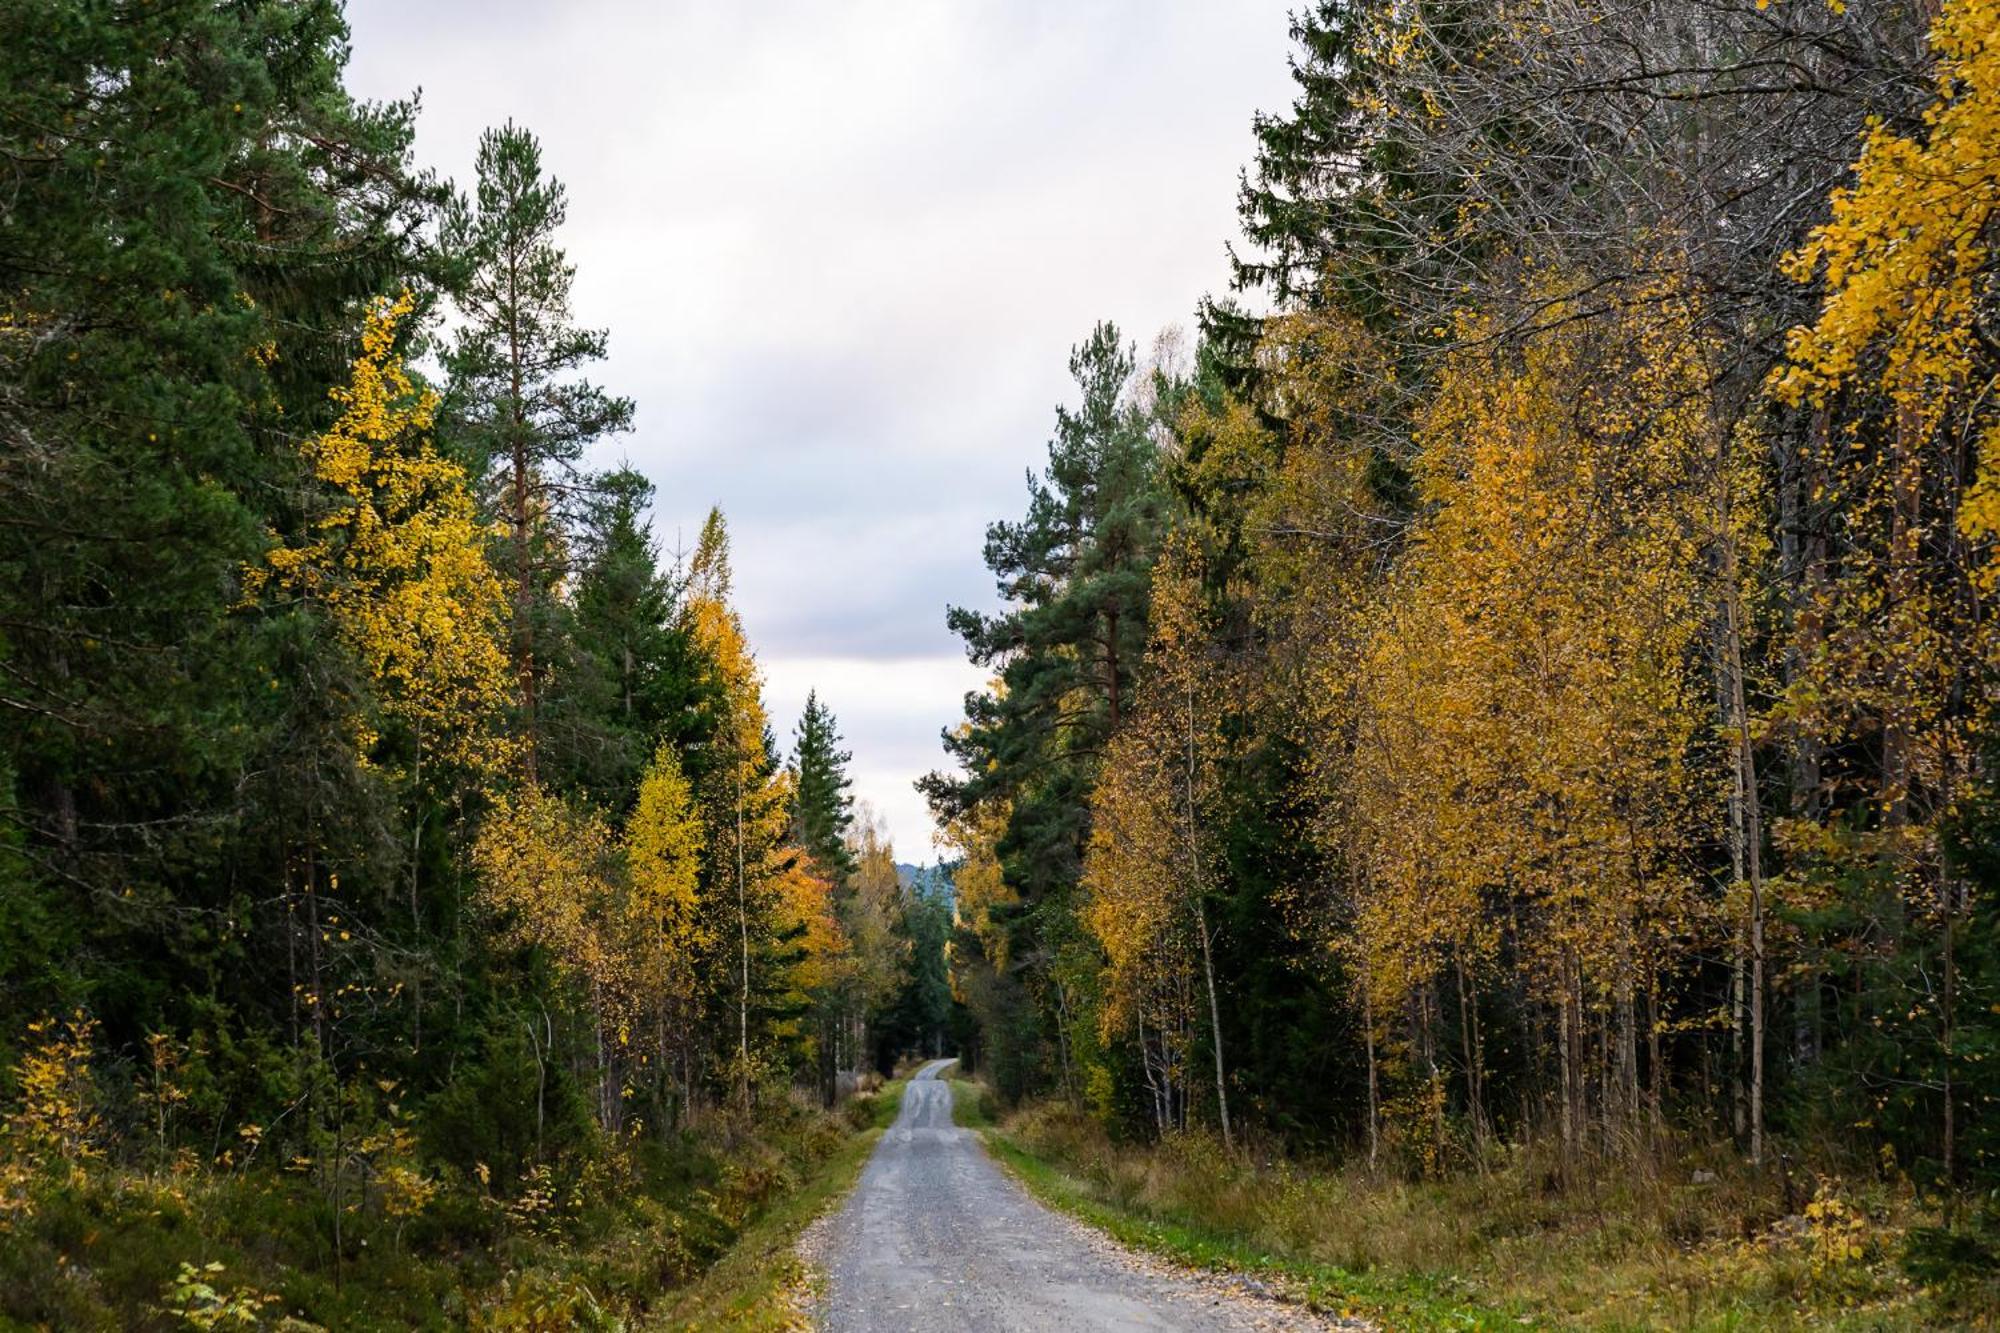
x=936, y=1236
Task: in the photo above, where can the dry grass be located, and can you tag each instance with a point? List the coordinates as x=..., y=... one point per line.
x=1691, y=1239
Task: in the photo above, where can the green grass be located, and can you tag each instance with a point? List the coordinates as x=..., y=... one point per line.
x=1498, y=1248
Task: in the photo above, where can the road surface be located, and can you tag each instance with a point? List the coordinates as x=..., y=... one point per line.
x=937, y=1237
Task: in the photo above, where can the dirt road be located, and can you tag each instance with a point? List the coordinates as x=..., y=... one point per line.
x=938, y=1237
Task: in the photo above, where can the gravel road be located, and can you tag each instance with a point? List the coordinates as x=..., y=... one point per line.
x=938, y=1237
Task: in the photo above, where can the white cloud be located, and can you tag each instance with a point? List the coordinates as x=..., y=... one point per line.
x=878, y=699
x=843, y=250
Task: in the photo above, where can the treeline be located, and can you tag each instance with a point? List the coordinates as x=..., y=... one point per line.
x=376, y=800
x=1536, y=682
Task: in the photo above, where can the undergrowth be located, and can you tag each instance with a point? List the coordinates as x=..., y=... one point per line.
x=760, y=1284
x=1690, y=1240
x=639, y=1235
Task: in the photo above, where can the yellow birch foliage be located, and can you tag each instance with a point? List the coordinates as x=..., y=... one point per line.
x=1525, y=709
x=1894, y=640
x=740, y=793
x=1906, y=251
x=979, y=885
x=871, y=912
x=664, y=841
x=1132, y=894
x=546, y=872
x=622, y=931
x=55, y=1122
x=806, y=905
x=1148, y=860
x=400, y=560
x=742, y=767
x=56, y=1119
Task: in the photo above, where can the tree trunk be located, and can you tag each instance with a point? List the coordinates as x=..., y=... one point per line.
x=1111, y=691
x=522, y=459
x=1374, y=1089
x=1470, y=1044
x=1198, y=885
x=1062, y=1037
x=1656, y=1070
x=1750, y=824
x=1567, y=1053
x=743, y=924
x=1215, y=1026
x=1948, y=1017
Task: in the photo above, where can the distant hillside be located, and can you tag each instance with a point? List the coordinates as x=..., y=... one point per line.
x=932, y=881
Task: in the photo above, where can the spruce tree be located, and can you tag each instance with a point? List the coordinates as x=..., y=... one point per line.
x=1297, y=203
x=195, y=212
x=630, y=676
x=822, y=810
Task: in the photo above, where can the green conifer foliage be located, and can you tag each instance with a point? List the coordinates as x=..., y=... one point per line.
x=822, y=809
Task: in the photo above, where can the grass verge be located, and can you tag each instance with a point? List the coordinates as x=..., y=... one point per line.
x=1415, y=1304
x=754, y=1285
x=1679, y=1245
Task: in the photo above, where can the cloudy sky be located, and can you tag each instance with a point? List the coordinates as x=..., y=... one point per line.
x=843, y=250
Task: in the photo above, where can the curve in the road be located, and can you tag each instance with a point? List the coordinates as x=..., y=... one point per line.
x=936, y=1236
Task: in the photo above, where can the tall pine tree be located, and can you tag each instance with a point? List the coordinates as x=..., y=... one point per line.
x=1073, y=576
x=520, y=407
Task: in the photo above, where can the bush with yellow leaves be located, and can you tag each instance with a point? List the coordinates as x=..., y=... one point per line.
x=196, y=1298
x=55, y=1125
x=1414, y=1125
x=539, y=1303
x=1836, y=1232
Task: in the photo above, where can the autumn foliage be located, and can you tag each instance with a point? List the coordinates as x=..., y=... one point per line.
x=1565, y=714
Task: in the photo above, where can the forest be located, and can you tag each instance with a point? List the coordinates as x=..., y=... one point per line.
x=398, y=868
x=1489, y=736
x=1518, y=687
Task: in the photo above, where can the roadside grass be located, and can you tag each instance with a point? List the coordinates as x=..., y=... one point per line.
x=1499, y=1248
x=1183, y=1238
x=757, y=1285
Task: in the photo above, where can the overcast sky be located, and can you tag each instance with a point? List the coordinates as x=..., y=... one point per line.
x=843, y=250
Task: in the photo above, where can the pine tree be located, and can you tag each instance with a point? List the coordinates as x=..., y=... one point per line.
x=518, y=406
x=1073, y=574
